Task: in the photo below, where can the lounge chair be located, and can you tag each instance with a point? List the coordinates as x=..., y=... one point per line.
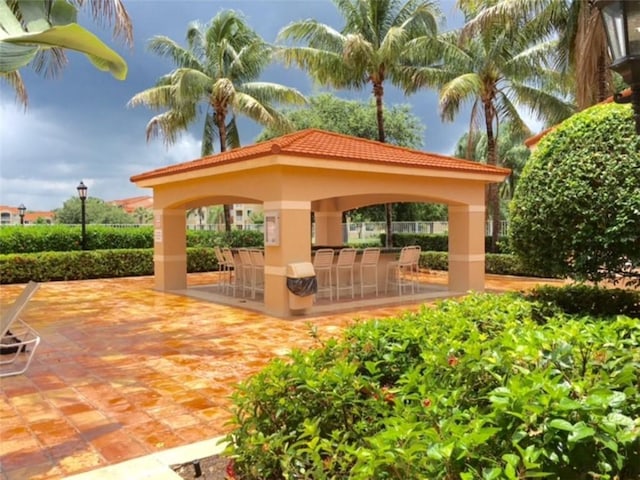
x=19, y=340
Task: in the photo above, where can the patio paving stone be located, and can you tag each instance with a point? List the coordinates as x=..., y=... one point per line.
x=124, y=371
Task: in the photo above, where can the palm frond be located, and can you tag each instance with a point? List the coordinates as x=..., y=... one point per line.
x=169, y=125
x=107, y=12
x=267, y=92
x=14, y=80
x=314, y=34
x=543, y=105
x=455, y=92
x=167, y=48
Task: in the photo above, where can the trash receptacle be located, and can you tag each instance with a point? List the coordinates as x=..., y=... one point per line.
x=302, y=285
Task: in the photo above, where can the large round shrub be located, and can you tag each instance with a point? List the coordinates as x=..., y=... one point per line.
x=576, y=210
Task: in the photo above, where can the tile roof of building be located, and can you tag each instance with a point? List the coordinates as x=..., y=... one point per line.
x=320, y=144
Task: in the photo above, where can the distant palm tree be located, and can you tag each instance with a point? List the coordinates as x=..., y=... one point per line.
x=512, y=154
x=582, y=47
x=496, y=70
x=38, y=33
x=369, y=50
x=217, y=70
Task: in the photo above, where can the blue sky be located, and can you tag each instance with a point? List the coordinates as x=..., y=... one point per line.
x=78, y=127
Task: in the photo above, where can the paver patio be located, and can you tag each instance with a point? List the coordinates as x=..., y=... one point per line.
x=124, y=371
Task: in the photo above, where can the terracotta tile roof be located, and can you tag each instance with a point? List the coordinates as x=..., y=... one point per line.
x=320, y=144
x=131, y=204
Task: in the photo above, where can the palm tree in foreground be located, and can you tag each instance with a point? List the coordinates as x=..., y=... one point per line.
x=582, y=46
x=496, y=71
x=37, y=33
x=368, y=51
x=216, y=71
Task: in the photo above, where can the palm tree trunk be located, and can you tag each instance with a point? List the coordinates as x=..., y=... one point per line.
x=222, y=131
x=492, y=159
x=378, y=92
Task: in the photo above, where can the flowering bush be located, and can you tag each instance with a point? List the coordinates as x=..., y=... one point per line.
x=469, y=389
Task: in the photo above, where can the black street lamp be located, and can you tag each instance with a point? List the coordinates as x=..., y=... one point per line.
x=82, y=193
x=621, y=19
x=21, y=211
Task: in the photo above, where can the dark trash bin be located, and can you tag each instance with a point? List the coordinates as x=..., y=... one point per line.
x=302, y=285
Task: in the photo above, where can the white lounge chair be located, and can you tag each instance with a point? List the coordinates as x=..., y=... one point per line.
x=18, y=337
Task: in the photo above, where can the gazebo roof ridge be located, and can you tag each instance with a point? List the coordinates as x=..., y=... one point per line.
x=322, y=144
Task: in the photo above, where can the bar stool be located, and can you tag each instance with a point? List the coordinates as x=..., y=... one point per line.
x=223, y=269
x=400, y=272
x=257, y=271
x=232, y=269
x=245, y=270
x=369, y=269
x=344, y=271
x=322, y=265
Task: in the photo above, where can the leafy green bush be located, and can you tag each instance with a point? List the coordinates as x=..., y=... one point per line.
x=470, y=389
x=576, y=209
x=82, y=265
x=580, y=299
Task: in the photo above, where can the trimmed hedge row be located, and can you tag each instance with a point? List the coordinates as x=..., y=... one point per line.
x=65, y=238
x=437, y=242
x=82, y=265
x=496, y=263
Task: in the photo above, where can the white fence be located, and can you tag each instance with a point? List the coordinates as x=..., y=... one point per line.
x=371, y=230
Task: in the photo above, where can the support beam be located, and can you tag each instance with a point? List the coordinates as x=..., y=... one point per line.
x=170, y=249
x=328, y=228
x=466, y=248
x=294, y=245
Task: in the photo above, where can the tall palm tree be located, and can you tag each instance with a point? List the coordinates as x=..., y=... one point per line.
x=582, y=47
x=369, y=50
x=37, y=33
x=495, y=71
x=512, y=154
x=216, y=71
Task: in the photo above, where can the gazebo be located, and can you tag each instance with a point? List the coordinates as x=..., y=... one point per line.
x=324, y=173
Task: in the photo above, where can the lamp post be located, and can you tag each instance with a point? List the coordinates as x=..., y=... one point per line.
x=21, y=211
x=621, y=19
x=82, y=193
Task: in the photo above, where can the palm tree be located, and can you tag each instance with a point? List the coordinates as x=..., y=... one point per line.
x=582, y=47
x=512, y=154
x=369, y=50
x=38, y=33
x=217, y=70
x=496, y=71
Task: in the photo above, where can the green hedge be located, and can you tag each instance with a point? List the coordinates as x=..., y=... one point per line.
x=496, y=263
x=581, y=299
x=80, y=265
x=437, y=242
x=49, y=266
x=64, y=238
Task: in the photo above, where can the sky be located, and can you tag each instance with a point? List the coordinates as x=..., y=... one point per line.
x=78, y=127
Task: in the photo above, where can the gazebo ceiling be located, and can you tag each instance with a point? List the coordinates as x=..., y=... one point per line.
x=320, y=145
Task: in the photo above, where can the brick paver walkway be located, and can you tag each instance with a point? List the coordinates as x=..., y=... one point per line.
x=124, y=371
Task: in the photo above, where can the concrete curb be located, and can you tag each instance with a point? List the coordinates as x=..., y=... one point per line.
x=156, y=465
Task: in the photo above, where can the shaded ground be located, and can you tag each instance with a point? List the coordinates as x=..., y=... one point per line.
x=209, y=468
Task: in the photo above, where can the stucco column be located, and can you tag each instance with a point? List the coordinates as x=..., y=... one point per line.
x=294, y=245
x=328, y=228
x=170, y=249
x=466, y=248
